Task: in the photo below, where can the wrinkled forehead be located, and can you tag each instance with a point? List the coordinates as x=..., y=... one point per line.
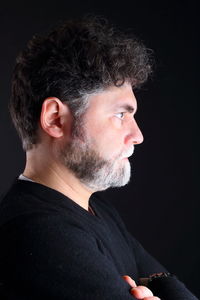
x=114, y=98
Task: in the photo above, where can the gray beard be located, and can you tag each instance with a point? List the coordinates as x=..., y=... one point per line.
x=95, y=172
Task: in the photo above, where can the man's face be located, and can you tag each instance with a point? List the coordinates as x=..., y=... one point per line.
x=99, y=150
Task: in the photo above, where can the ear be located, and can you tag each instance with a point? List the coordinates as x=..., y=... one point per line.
x=54, y=116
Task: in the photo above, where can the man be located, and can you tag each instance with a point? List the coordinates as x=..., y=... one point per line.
x=73, y=106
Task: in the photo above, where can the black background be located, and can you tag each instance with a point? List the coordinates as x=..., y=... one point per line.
x=161, y=204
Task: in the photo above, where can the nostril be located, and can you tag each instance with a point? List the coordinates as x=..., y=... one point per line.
x=138, y=139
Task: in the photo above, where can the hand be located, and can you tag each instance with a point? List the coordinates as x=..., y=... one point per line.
x=140, y=291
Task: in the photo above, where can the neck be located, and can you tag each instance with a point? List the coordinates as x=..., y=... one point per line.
x=50, y=173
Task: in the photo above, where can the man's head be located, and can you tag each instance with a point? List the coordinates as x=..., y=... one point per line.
x=78, y=62
x=98, y=153
x=73, y=61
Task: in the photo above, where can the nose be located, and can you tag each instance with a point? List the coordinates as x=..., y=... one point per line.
x=138, y=137
x=135, y=135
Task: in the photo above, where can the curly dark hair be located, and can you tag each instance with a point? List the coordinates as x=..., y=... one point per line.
x=74, y=60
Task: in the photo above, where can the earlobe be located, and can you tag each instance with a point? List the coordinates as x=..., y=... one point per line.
x=51, y=119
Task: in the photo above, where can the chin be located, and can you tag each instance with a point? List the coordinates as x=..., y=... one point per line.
x=125, y=174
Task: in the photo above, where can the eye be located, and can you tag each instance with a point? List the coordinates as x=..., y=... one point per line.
x=120, y=115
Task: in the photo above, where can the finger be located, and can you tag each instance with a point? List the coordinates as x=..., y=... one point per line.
x=129, y=280
x=140, y=292
x=151, y=298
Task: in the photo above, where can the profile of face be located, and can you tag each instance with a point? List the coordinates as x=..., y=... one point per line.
x=103, y=140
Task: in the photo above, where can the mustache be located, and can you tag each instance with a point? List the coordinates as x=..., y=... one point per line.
x=127, y=153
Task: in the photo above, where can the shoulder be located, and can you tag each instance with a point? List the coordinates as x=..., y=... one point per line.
x=33, y=199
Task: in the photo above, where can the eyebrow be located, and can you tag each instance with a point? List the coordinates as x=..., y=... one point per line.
x=127, y=108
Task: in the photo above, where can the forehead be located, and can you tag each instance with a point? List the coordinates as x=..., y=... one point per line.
x=113, y=98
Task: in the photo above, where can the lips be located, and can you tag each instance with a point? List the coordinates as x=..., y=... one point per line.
x=128, y=152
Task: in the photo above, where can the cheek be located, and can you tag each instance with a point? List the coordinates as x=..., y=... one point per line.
x=108, y=142
x=116, y=123
x=106, y=135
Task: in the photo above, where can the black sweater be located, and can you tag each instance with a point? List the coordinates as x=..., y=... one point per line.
x=51, y=248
